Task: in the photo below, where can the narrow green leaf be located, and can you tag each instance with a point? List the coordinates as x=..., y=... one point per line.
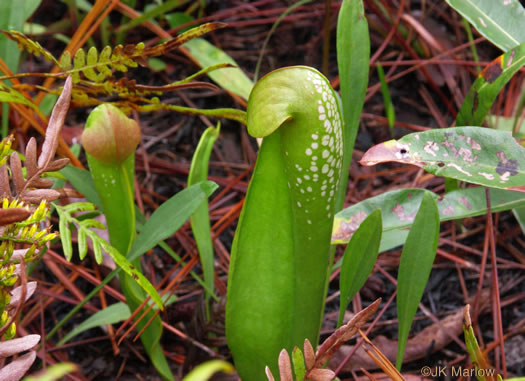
x=54, y=372
x=473, y=154
x=353, y=59
x=8, y=94
x=414, y=269
x=83, y=182
x=359, y=259
x=151, y=14
x=501, y=22
x=519, y=214
x=298, y=364
x=134, y=273
x=204, y=371
x=277, y=22
x=11, y=17
x=389, y=106
x=399, y=208
x=170, y=216
x=231, y=79
x=110, y=315
x=65, y=237
x=200, y=221
x=82, y=245
x=488, y=85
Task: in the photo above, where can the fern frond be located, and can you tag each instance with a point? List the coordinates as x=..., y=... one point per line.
x=85, y=230
x=27, y=44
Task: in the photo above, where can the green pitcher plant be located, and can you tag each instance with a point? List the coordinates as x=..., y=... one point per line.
x=110, y=139
x=281, y=251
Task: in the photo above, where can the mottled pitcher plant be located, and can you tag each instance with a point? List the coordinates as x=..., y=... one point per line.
x=281, y=250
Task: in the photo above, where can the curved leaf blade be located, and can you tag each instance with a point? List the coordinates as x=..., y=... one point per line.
x=353, y=59
x=414, y=269
x=473, y=154
x=499, y=21
x=110, y=315
x=359, y=259
x=200, y=221
x=177, y=210
x=232, y=79
x=488, y=85
x=399, y=207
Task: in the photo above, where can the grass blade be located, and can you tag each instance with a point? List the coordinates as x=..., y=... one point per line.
x=200, y=221
x=486, y=88
x=353, y=59
x=359, y=259
x=415, y=266
x=110, y=315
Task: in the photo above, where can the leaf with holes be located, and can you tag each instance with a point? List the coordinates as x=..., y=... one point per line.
x=473, y=154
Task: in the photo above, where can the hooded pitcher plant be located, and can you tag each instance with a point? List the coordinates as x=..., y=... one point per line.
x=110, y=139
x=281, y=251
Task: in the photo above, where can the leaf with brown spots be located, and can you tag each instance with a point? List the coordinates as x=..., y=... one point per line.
x=458, y=204
x=488, y=85
x=473, y=154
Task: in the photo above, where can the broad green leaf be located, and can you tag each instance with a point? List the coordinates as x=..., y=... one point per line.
x=359, y=259
x=204, y=371
x=399, y=208
x=499, y=21
x=353, y=59
x=231, y=79
x=200, y=221
x=488, y=85
x=110, y=315
x=414, y=268
x=473, y=154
